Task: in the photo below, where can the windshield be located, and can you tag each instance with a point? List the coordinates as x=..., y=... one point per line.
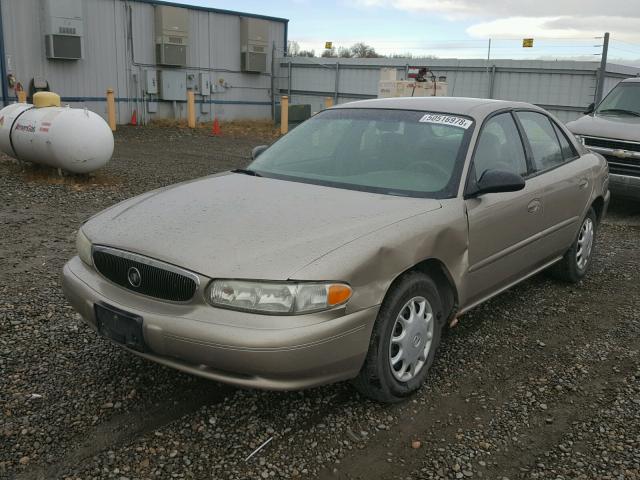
x=396, y=152
x=624, y=98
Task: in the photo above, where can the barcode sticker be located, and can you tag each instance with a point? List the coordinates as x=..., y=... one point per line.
x=452, y=120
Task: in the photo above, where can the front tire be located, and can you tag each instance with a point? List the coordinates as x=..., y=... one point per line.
x=404, y=341
x=576, y=261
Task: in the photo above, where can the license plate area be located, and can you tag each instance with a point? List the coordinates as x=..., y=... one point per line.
x=121, y=327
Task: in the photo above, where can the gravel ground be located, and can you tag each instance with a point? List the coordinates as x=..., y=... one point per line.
x=543, y=382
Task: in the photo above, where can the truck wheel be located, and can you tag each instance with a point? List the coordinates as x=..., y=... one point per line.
x=404, y=341
x=576, y=261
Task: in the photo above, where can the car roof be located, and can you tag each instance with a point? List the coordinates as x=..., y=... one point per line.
x=474, y=107
x=631, y=80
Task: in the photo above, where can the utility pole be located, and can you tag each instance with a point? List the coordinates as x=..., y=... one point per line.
x=603, y=69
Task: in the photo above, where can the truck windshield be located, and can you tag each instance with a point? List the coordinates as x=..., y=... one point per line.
x=623, y=99
x=395, y=152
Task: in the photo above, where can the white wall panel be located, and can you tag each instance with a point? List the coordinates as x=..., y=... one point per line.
x=113, y=60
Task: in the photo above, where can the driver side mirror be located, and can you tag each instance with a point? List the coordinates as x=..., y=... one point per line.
x=255, y=153
x=590, y=109
x=498, y=181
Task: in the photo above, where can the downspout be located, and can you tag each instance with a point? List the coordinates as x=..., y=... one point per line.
x=337, y=86
x=273, y=82
x=289, y=80
x=286, y=38
x=3, y=65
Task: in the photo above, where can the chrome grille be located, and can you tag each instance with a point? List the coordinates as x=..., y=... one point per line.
x=612, y=144
x=157, y=280
x=623, y=166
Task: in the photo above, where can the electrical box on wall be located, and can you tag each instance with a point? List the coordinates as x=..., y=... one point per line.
x=204, y=85
x=172, y=35
x=254, y=44
x=64, y=29
x=173, y=85
x=151, y=82
x=191, y=82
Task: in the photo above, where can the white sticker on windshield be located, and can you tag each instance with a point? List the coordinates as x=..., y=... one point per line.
x=452, y=120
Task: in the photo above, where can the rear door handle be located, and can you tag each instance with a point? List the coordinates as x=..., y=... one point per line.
x=534, y=206
x=584, y=183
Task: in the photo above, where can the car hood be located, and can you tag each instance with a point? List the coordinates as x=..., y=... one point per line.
x=621, y=127
x=240, y=226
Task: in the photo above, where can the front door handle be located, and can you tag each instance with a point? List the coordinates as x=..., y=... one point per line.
x=584, y=183
x=534, y=206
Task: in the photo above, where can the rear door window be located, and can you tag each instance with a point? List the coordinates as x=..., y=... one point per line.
x=543, y=140
x=568, y=151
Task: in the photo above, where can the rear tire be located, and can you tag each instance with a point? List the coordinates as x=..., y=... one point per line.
x=404, y=341
x=576, y=261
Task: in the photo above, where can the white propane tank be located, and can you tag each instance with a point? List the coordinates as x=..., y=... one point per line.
x=72, y=139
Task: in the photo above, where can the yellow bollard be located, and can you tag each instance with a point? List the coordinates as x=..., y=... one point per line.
x=328, y=102
x=284, y=114
x=22, y=96
x=111, y=109
x=191, y=109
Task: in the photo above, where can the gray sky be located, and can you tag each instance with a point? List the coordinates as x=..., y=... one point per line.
x=459, y=28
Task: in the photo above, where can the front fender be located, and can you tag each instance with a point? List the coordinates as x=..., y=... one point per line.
x=371, y=263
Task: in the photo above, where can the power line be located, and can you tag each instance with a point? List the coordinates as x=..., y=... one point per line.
x=627, y=43
x=624, y=50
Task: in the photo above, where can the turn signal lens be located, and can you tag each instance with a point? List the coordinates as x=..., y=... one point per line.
x=338, y=294
x=83, y=245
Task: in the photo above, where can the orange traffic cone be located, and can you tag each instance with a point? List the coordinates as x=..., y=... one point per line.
x=216, y=131
x=134, y=118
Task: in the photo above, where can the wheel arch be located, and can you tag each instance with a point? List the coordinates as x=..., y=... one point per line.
x=598, y=206
x=439, y=273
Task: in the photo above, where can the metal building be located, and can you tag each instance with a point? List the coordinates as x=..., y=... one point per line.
x=149, y=52
x=565, y=88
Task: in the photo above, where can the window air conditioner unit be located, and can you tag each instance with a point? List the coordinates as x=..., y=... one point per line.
x=64, y=28
x=63, y=47
x=254, y=42
x=172, y=35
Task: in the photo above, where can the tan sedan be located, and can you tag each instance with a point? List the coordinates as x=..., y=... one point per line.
x=344, y=249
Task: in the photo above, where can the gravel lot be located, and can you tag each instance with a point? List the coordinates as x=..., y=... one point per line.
x=543, y=382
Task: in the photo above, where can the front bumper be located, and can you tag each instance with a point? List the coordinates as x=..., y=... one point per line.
x=624, y=170
x=625, y=185
x=247, y=350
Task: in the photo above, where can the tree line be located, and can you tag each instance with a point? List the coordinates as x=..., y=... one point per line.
x=357, y=50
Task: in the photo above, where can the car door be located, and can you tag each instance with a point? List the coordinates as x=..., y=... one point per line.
x=503, y=227
x=567, y=180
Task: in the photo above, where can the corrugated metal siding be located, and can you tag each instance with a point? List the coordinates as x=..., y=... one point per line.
x=357, y=81
x=609, y=83
x=214, y=46
x=550, y=89
x=564, y=88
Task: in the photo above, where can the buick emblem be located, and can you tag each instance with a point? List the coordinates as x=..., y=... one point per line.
x=134, y=277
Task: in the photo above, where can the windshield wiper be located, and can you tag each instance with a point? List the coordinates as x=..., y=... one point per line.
x=246, y=171
x=620, y=110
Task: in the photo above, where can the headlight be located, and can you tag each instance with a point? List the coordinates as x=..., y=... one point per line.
x=580, y=139
x=277, y=297
x=83, y=245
